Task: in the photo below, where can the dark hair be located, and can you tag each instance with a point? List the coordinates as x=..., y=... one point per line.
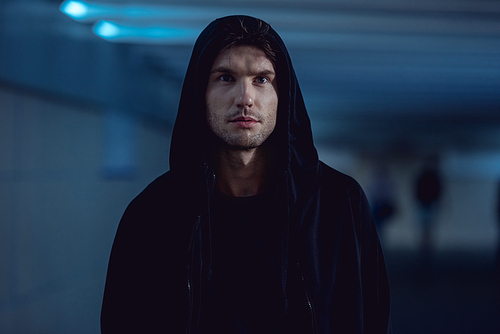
x=251, y=33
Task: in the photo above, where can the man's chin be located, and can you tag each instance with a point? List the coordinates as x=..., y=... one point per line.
x=242, y=142
x=241, y=146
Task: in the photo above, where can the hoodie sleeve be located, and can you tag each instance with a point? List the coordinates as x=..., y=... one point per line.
x=146, y=271
x=376, y=293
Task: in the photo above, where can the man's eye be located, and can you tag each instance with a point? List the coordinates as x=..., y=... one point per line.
x=261, y=80
x=226, y=77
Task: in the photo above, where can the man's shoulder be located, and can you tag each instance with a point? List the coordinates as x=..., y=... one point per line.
x=156, y=191
x=159, y=184
x=341, y=185
x=156, y=204
x=334, y=178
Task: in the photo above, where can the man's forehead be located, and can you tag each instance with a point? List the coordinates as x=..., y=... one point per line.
x=243, y=55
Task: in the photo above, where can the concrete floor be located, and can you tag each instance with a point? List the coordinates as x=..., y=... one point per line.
x=450, y=292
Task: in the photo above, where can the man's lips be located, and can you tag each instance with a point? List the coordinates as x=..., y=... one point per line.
x=243, y=119
x=244, y=122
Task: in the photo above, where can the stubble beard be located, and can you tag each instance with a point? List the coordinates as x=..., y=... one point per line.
x=242, y=139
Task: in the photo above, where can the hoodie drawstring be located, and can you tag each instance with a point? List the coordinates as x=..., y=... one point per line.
x=209, y=176
x=285, y=231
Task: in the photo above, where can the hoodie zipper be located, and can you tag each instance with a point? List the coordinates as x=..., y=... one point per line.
x=309, y=300
x=190, y=274
x=191, y=250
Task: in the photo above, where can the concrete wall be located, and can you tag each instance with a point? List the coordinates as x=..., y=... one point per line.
x=60, y=204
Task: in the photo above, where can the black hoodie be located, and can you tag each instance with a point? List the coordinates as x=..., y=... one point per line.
x=333, y=274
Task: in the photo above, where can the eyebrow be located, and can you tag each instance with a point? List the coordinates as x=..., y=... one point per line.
x=223, y=69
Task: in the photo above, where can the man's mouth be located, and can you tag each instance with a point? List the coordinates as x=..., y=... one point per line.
x=244, y=119
x=244, y=122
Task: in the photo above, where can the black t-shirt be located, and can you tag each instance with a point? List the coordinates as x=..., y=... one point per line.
x=245, y=294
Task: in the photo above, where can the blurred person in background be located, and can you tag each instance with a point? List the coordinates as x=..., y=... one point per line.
x=428, y=192
x=382, y=197
x=248, y=232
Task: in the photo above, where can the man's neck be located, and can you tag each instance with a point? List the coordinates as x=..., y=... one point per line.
x=241, y=173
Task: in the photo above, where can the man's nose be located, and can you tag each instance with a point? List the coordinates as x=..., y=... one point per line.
x=245, y=95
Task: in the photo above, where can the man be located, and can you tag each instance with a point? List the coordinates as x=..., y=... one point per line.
x=248, y=232
x=428, y=192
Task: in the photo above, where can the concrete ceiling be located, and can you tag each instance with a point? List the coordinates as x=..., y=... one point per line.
x=377, y=76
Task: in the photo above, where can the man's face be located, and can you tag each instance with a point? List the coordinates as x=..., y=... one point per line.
x=242, y=97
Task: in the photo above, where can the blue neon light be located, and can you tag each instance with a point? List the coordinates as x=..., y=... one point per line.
x=107, y=30
x=155, y=34
x=75, y=9
x=88, y=11
x=136, y=21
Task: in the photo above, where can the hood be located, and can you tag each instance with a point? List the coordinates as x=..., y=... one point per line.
x=292, y=138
